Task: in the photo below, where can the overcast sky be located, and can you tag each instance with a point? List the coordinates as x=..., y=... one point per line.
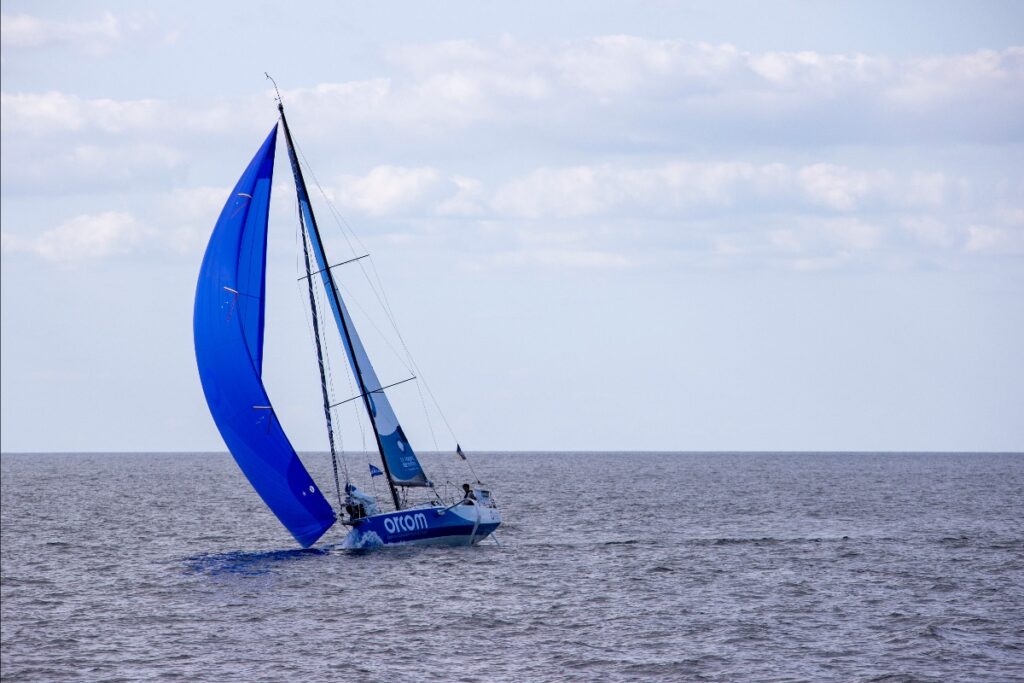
x=654, y=225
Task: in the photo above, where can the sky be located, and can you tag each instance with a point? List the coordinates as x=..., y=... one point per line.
x=599, y=226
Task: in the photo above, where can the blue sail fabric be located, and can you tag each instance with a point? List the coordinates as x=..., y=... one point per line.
x=228, y=330
x=404, y=467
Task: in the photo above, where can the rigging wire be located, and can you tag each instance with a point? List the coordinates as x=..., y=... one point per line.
x=381, y=296
x=319, y=294
x=352, y=299
x=408, y=362
x=386, y=305
x=314, y=319
x=357, y=409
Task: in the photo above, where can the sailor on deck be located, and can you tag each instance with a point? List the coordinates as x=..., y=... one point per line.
x=359, y=504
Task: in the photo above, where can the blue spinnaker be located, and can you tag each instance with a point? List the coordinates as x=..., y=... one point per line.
x=403, y=465
x=228, y=329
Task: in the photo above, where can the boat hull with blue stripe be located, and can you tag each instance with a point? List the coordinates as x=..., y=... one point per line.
x=466, y=523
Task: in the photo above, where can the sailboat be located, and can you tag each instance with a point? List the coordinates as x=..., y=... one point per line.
x=228, y=328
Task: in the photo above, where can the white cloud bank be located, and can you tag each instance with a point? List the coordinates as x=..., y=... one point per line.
x=616, y=216
x=94, y=35
x=82, y=238
x=387, y=190
x=664, y=190
x=607, y=216
x=456, y=84
x=676, y=186
x=622, y=107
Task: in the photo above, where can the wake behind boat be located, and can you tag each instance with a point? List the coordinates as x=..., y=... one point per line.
x=228, y=328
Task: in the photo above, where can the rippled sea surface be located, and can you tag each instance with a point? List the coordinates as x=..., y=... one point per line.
x=612, y=567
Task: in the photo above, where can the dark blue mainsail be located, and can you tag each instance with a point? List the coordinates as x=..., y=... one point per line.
x=228, y=329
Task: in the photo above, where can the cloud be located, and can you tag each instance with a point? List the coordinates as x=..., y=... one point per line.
x=572, y=152
x=84, y=237
x=990, y=239
x=604, y=90
x=86, y=167
x=621, y=64
x=599, y=189
x=94, y=36
x=468, y=199
x=462, y=67
x=675, y=186
x=589, y=259
x=182, y=227
x=608, y=215
x=562, y=192
x=188, y=214
x=189, y=204
x=56, y=113
x=838, y=188
x=388, y=189
x=358, y=99
x=935, y=81
x=617, y=215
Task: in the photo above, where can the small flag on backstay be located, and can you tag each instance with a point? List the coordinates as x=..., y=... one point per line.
x=374, y=472
x=458, y=451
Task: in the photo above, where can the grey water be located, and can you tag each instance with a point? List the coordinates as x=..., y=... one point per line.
x=611, y=567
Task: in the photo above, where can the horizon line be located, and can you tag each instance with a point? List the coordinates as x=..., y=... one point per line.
x=568, y=451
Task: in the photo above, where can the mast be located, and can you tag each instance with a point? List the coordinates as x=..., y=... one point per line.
x=320, y=365
x=310, y=226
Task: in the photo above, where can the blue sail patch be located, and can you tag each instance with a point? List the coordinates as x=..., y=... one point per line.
x=228, y=333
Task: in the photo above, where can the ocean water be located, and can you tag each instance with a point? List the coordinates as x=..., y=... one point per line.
x=612, y=567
